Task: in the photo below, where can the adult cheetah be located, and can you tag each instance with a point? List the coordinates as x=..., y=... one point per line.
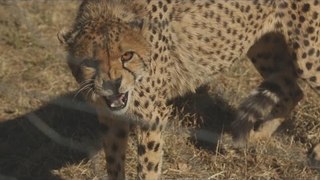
x=132, y=56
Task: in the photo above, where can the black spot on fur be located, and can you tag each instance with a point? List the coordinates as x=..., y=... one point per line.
x=309, y=65
x=156, y=148
x=150, y=166
x=306, y=7
x=150, y=145
x=141, y=149
x=139, y=168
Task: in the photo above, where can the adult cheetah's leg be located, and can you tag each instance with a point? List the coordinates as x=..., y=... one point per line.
x=115, y=136
x=150, y=144
x=312, y=76
x=270, y=103
x=149, y=154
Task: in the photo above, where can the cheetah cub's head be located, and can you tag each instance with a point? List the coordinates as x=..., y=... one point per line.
x=107, y=55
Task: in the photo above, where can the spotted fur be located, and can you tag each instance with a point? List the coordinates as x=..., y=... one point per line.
x=132, y=56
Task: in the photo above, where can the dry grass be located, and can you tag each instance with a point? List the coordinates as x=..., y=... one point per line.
x=36, y=83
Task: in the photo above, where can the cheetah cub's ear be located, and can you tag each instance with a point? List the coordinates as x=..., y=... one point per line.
x=66, y=36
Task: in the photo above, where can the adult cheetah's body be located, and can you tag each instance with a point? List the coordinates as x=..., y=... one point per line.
x=135, y=55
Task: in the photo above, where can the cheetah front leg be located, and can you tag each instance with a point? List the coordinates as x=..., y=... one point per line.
x=314, y=82
x=149, y=154
x=115, y=137
x=150, y=143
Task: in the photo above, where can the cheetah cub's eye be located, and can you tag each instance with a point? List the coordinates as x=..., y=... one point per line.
x=127, y=56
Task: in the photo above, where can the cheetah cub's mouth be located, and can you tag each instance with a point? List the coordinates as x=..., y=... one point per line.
x=117, y=102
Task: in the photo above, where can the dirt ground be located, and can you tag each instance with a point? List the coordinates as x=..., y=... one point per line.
x=48, y=132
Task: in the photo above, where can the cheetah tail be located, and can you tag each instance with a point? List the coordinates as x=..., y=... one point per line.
x=258, y=107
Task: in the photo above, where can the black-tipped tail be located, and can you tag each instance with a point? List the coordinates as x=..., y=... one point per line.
x=257, y=107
